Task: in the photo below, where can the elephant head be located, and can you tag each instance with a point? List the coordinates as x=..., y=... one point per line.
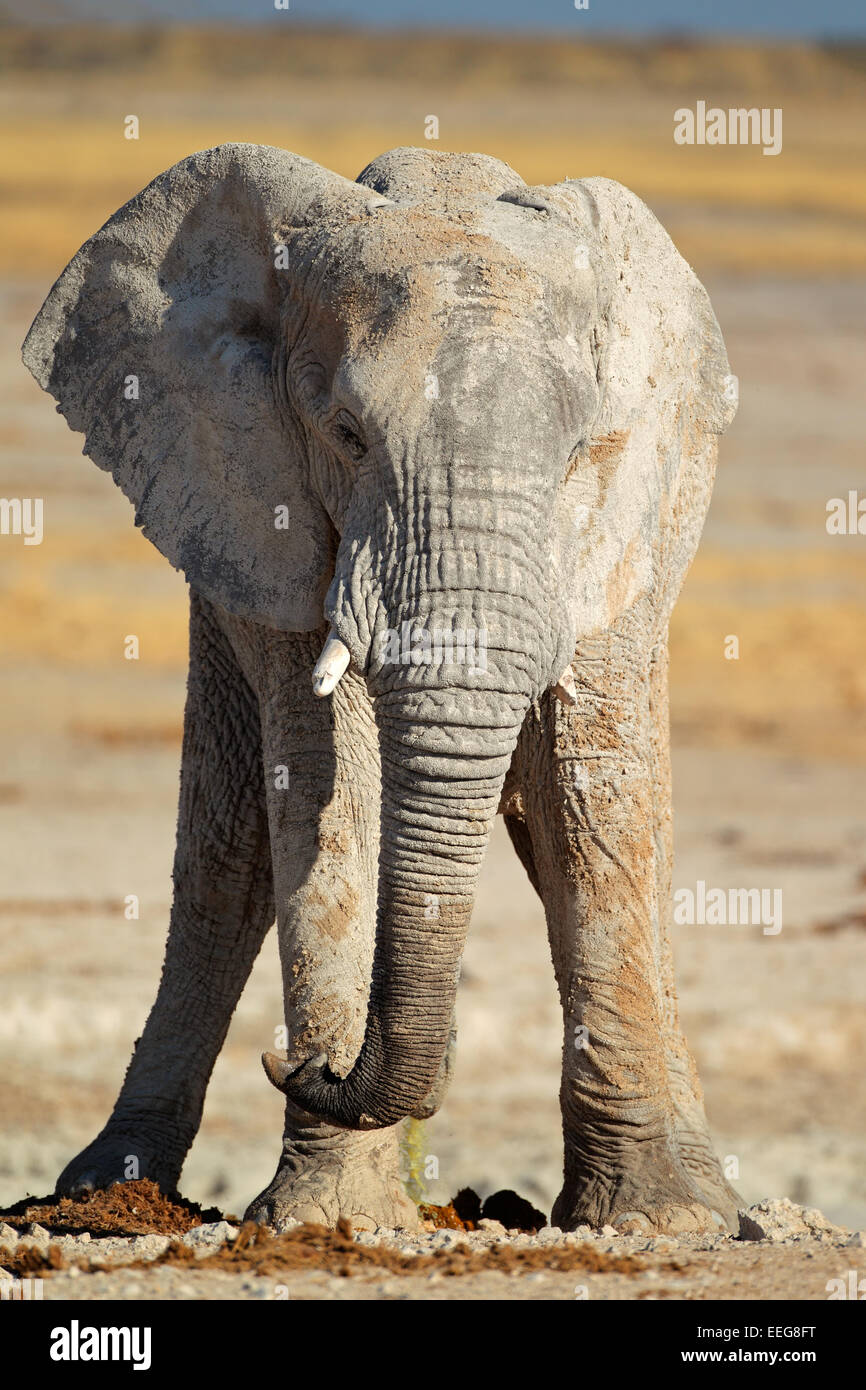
x=441, y=410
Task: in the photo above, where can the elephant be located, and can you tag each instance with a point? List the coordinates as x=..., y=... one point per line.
x=433, y=450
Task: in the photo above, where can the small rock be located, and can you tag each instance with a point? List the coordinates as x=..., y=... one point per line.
x=549, y=1235
x=446, y=1240
x=212, y=1233
x=37, y=1233
x=495, y=1228
x=779, y=1220
x=857, y=1240
x=609, y=1231
x=148, y=1247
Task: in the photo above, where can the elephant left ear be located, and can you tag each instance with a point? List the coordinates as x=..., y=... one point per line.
x=665, y=395
x=162, y=342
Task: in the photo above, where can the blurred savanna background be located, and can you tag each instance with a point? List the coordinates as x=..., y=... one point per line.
x=769, y=731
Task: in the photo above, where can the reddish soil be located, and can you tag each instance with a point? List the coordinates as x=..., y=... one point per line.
x=255, y=1251
x=136, y=1208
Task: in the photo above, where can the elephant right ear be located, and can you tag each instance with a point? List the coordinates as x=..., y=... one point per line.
x=159, y=342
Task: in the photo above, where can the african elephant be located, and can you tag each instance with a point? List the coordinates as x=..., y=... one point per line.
x=433, y=450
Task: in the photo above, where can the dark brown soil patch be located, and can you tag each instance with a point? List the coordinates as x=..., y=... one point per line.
x=30, y=1260
x=514, y=1212
x=256, y=1251
x=136, y=1208
x=462, y=1213
x=467, y=1205
x=465, y=1212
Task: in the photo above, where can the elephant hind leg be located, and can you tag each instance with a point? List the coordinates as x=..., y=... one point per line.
x=222, y=910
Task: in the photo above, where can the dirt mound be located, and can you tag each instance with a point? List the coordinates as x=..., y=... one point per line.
x=514, y=1212
x=462, y=1213
x=465, y=1211
x=135, y=1208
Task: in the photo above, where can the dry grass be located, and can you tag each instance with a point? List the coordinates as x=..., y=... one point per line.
x=550, y=109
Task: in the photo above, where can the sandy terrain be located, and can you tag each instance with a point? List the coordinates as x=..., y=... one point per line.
x=768, y=764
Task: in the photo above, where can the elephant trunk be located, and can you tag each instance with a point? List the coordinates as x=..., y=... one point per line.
x=444, y=757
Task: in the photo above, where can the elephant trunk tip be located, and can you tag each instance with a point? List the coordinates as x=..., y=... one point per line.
x=313, y=1087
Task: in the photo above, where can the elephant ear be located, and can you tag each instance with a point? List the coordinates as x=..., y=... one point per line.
x=158, y=343
x=641, y=479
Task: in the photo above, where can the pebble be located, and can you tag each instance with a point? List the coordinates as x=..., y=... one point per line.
x=212, y=1233
x=148, y=1247
x=549, y=1235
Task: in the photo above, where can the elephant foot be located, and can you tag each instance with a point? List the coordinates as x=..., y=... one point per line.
x=671, y=1220
x=326, y=1174
x=706, y=1175
x=656, y=1196
x=121, y=1154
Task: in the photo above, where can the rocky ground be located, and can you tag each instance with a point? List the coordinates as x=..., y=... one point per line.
x=783, y=1251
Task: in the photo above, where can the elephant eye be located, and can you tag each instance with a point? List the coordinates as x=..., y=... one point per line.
x=348, y=432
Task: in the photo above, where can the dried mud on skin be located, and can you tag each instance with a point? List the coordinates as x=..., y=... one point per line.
x=135, y=1208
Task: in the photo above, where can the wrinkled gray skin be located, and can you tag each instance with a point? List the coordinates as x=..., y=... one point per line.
x=481, y=406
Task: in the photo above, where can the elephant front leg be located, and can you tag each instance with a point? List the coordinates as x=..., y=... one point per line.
x=591, y=824
x=221, y=913
x=322, y=775
x=693, y=1134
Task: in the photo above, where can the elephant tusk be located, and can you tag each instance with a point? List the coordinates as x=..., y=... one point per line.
x=330, y=666
x=565, y=688
x=278, y=1070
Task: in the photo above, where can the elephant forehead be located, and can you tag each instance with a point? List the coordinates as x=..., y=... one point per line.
x=417, y=262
